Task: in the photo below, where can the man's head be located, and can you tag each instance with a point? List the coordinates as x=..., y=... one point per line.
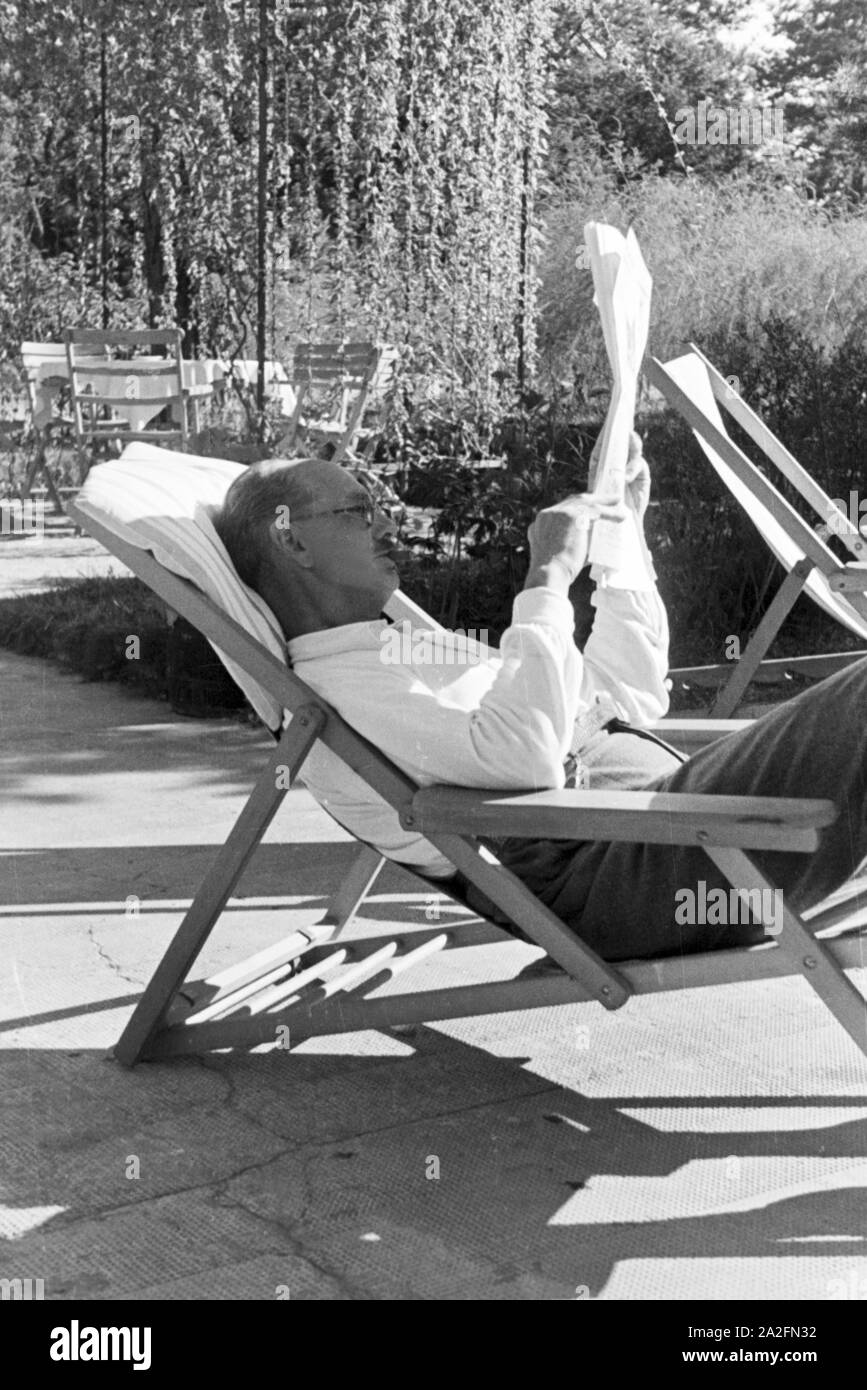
x=305, y=535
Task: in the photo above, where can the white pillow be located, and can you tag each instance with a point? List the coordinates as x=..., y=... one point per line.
x=164, y=502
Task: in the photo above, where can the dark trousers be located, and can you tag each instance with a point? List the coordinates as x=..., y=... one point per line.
x=621, y=898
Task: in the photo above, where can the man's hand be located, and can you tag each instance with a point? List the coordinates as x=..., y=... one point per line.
x=637, y=478
x=560, y=536
x=637, y=475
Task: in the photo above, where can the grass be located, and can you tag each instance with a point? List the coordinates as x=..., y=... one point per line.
x=117, y=630
x=720, y=254
x=85, y=625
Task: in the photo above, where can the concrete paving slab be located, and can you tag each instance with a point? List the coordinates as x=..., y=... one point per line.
x=31, y=564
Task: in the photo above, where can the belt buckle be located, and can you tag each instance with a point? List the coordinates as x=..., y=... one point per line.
x=594, y=718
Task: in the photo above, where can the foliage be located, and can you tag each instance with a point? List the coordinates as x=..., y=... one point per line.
x=404, y=144
x=821, y=71
x=621, y=71
x=83, y=624
x=721, y=254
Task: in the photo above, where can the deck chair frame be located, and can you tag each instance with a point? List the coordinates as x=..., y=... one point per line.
x=850, y=578
x=267, y=1000
x=355, y=370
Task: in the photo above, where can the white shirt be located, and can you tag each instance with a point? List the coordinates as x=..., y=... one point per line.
x=449, y=710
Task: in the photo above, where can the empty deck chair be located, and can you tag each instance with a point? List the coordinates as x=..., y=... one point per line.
x=696, y=390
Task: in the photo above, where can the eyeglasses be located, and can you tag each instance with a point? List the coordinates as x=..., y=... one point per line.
x=366, y=510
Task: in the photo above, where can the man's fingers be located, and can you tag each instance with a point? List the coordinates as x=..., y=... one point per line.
x=589, y=510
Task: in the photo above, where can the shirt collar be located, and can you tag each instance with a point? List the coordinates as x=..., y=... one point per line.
x=351, y=637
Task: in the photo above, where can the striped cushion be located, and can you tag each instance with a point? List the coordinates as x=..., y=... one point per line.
x=164, y=502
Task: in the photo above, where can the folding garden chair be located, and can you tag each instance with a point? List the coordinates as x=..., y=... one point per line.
x=117, y=392
x=696, y=389
x=337, y=386
x=153, y=509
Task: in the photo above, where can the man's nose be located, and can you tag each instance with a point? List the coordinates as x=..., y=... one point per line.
x=383, y=524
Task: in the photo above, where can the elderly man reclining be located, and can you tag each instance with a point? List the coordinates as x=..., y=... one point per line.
x=537, y=713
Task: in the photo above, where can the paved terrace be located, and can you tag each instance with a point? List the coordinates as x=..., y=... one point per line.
x=706, y=1145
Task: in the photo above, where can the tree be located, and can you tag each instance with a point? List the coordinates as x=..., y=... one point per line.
x=822, y=74
x=621, y=71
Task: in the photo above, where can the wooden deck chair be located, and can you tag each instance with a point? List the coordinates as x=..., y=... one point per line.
x=153, y=510
x=696, y=389
x=117, y=391
x=336, y=384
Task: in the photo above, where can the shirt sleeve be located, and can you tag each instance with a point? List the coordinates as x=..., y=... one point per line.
x=626, y=654
x=514, y=734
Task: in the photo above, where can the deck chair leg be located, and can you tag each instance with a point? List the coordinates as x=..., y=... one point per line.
x=811, y=957
x=730, y=697
x=39, y=463
x=528, y=912
x=52, y=489
x=217, y=887
x=354, y=889
x=32, y=469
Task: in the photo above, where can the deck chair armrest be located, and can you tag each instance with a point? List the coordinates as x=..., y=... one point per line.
x=853, y=579
x=663, y=818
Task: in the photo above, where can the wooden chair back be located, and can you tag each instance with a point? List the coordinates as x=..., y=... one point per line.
x=147, y=366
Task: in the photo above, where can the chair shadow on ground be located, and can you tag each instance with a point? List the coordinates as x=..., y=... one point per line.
x=534, y=1182
x=325, y=1153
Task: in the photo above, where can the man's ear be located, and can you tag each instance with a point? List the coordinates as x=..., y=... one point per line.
x=285, y=543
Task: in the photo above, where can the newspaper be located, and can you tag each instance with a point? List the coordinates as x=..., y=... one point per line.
x=622, y=285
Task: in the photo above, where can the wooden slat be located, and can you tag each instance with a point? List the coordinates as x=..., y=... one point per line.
x=259, y=989
x=133, y=337
x=771, y=670
x=89, y=397
x=134, y=366
x=462, y=936
x=360, y=364
x=254, y=968
x=333, y=352
x=667, y=818
x=399, y=964
x=346, y=1015
x=158, y=436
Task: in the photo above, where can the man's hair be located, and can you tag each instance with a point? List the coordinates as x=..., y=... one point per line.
x=251, y=505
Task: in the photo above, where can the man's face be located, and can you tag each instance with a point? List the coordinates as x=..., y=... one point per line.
x=350, y=544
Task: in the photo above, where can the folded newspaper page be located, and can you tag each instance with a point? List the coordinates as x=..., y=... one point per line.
x=622, y=285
